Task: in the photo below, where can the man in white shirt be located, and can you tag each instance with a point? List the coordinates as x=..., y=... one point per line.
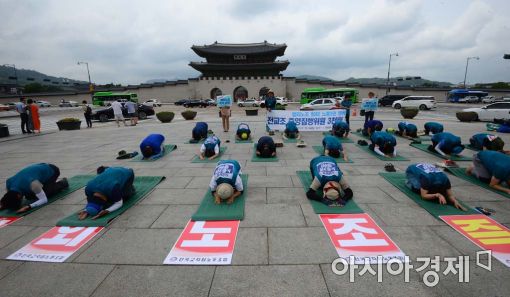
x=117, y=113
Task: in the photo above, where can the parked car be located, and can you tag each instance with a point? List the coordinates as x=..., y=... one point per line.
x=152, y=102
x=469, y=99
x=421, y=102
x=4, y=107
x=389, y=99
x=12, y=105
x=319, y=104
x=210, y=102
x=498, y=110
x=69, y=103
x=43, y=103
x=281, y=100
x=248, y=102
x=180, y=102
x=488, y=99
x=195, y=103
x=104, y=114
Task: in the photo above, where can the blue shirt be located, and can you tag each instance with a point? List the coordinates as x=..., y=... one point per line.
x=325, y=169
x=200, y=130
x=481, y=139
x=21, y=107
x=346, y=103
x=211, y=142
x=291, y=127
x=110, y=183
x=409, y=128
x=131, y=107
x=372, y=124
x=380, y=138
x=243, y=127
x=496, y=163
x=331, y=143
x=154, y=141
x=21, y=182
x=226, y=171
x=270, y=102
x=340, y=125
x=447, y=141
x=434, y=127
x=426, y=176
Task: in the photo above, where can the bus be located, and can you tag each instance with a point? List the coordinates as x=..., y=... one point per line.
x=456, y=94
x=104, y=98
x=310, y=94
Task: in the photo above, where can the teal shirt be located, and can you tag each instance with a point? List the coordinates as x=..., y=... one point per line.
x=380, y=138
x=331, y=143
x=325, y=169
x=434, y=127
x=21, y=182
x=447, y=141
x=110, y=183
x=226, y=171
x=496, y=163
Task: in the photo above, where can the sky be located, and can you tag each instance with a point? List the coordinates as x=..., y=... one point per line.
x=130, y=42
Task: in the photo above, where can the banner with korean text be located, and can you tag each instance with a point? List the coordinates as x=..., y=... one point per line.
x=369, y=104
x=204, y=243
x=225, y=100
x=358, y=235
x=4, y=221
x=310, y=120
x=484, y=232
x=56, y=245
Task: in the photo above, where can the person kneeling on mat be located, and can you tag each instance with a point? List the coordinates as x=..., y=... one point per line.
x=433, y=128
x=372, y=126
x=340, y=129
x=243, y=132
x=291, y=130
x=493, y=168
x=36, y=183
x=327, y=176
x=485, y=141
x=153, y=147
x=431, y=183
x=384, y=144
x=107, y=191
x=266, y=147
x=210, y=148
x=199, y=132
x=407, y=130
x=445, y=144
x=333, y=147
x=226, y=183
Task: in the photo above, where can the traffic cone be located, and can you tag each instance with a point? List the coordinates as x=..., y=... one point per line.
x=354, y=112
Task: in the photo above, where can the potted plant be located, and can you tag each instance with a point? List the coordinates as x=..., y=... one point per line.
x=4, y=130
x=279, y=107
x=189, y=114
x=467, y=116
x=69, y=124
x=252, y=112
x=165, y=116
x=409, y=112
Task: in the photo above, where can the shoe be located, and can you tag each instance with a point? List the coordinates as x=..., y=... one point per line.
x=362, y=142
x=389, y=167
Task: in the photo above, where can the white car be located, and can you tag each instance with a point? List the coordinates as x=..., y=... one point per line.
x=499, y=110
x=319, y=104
x=281, y=101
x=69, y=103
x=248, y=103
x=43, y=103
x=421, y=102
x=488, y=99
x=152, y=102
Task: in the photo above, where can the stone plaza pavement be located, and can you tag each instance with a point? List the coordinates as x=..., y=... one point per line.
x=282, y=249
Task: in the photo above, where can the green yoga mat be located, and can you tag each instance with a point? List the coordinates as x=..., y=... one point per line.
x=318, y=207
x=397, y=158
x=255, y=158
x=290, y=140
x=461, y=173
x=469, y=146
x=196, y=159
x=424, y=147
x=191, y=141
x=341, y=139
x=168, y=149
x=417, y=139
x=320, y=150
x=244, y=141
x=143, y=185
x=209, y=211
x=75, y=182
x=398, y=179
x=360, y=135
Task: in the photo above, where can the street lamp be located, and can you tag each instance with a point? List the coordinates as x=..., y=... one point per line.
x=15, y=75
x=88, y=72
x=389, y=67
x=467, y=63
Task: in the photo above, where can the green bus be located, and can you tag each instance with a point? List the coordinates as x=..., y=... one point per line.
x=310, y=94
x=104, y=98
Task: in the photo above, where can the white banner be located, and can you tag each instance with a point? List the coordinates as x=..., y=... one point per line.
x=311, y=120
x=368, y=104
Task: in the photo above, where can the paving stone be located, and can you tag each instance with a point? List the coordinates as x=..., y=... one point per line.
x=251, y=247
x=10, y=233
x=272, y=215
x=403, y=215
x=174, y=196
x=139, y=216
x=7, y=267
x=284, y=280
x=286, y=195
x=270, y=181
x=48, y=215
x=175, y=216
